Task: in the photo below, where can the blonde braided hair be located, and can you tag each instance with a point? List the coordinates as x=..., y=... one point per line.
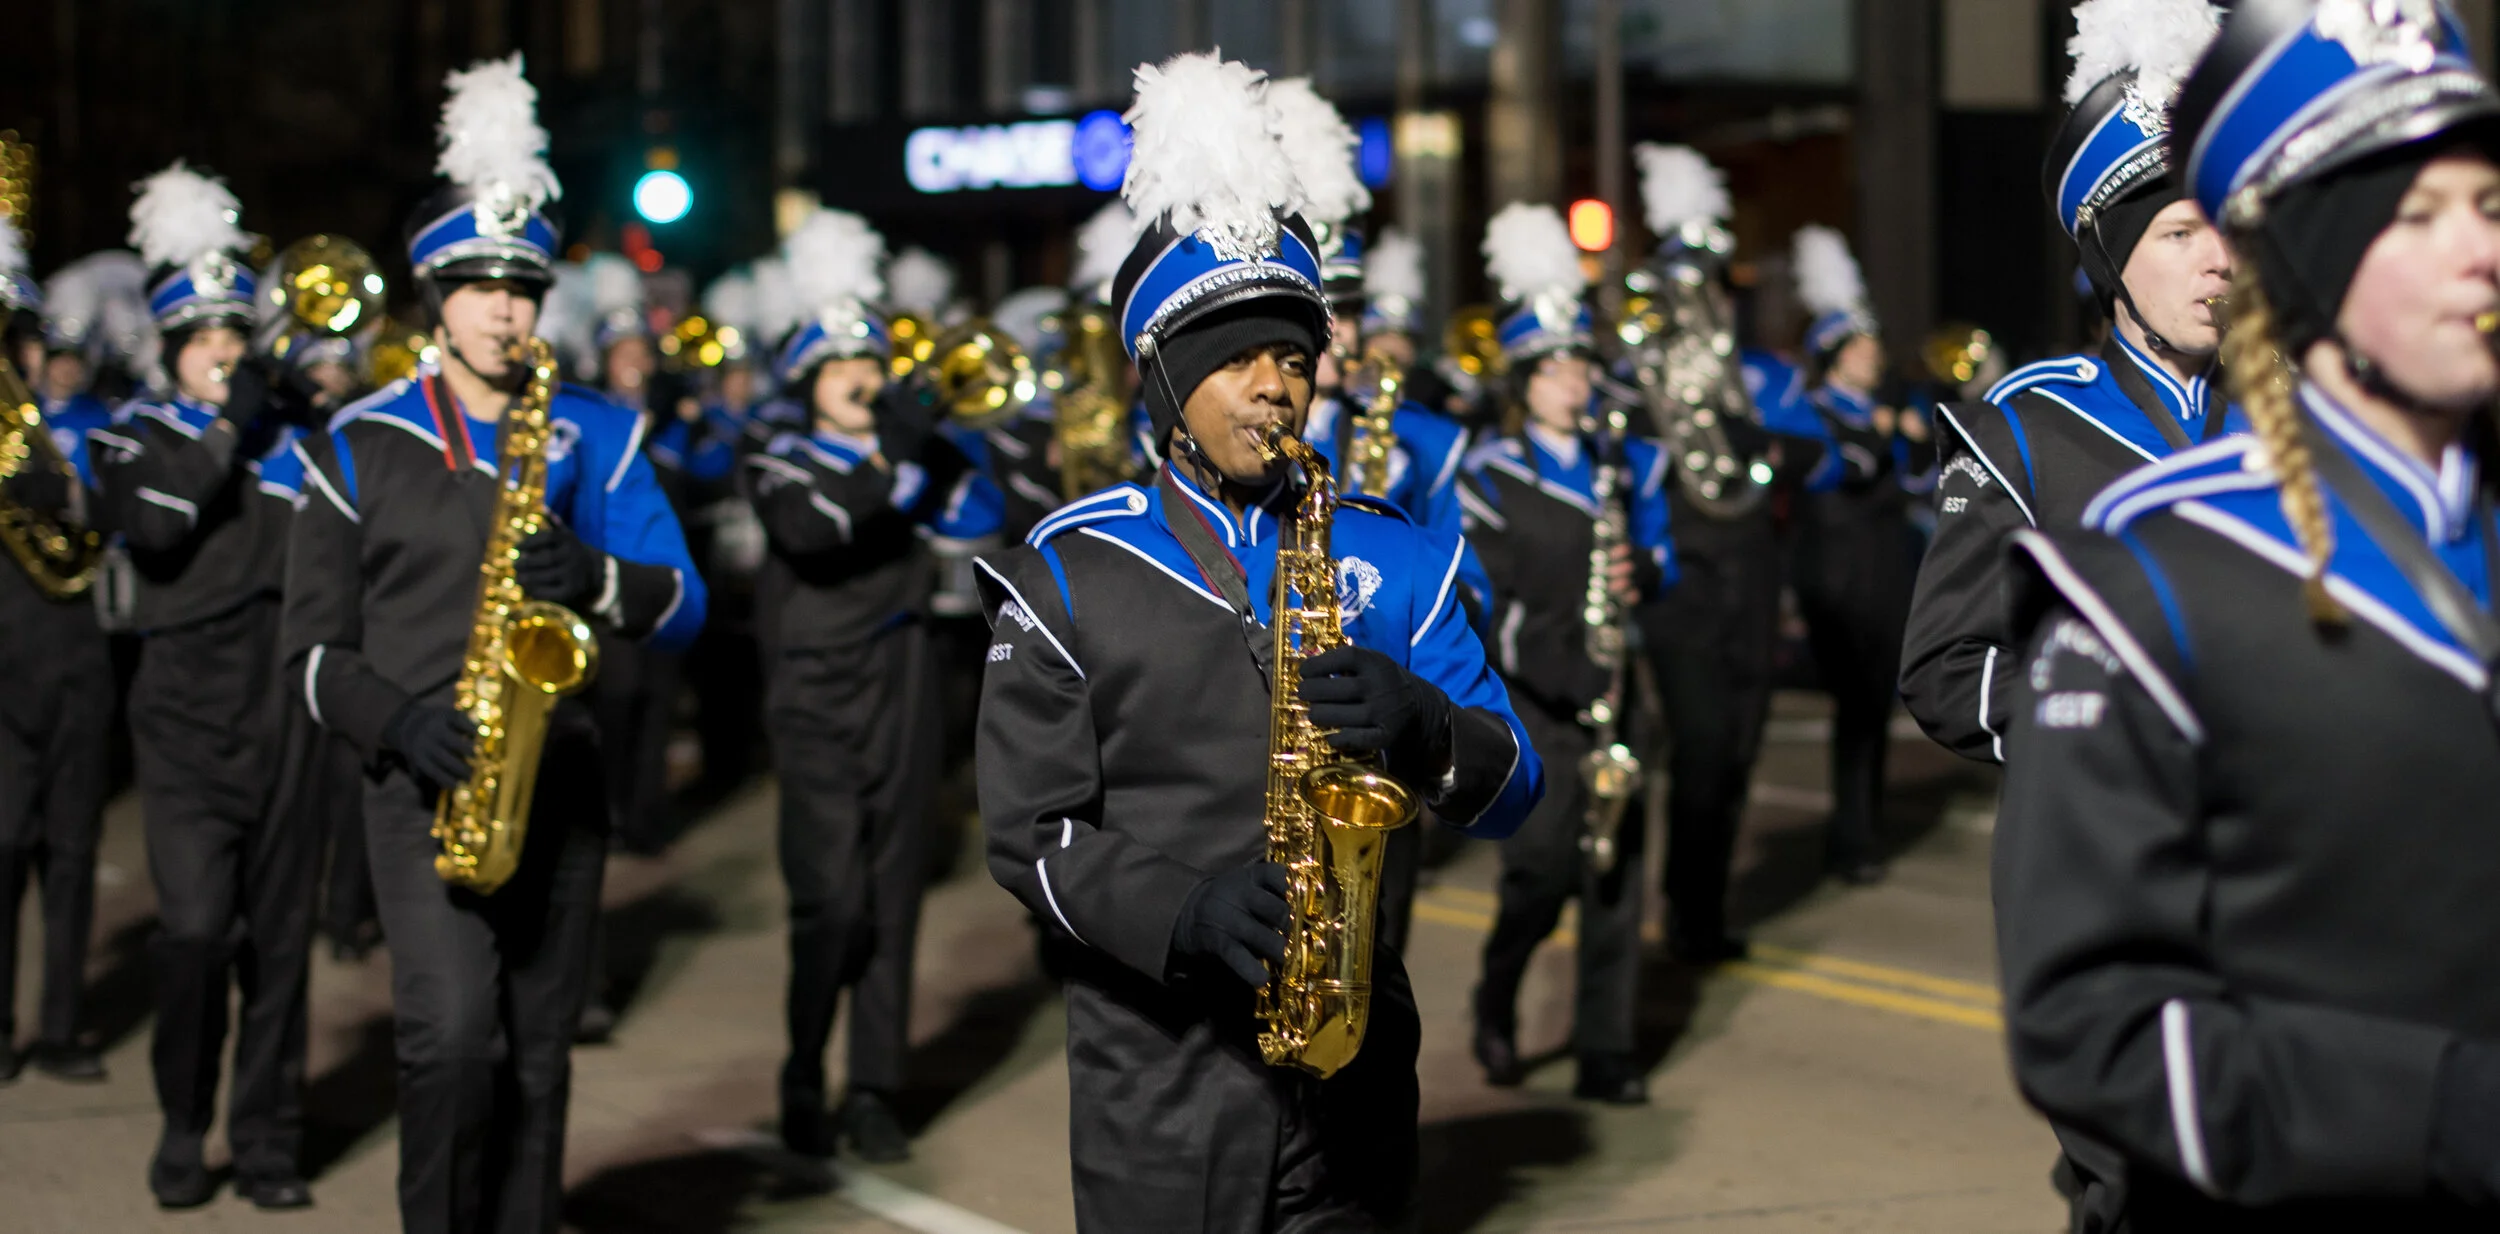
x=2262, y=380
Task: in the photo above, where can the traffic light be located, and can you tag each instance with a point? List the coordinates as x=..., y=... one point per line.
x=662, y=196
x=1592, y=225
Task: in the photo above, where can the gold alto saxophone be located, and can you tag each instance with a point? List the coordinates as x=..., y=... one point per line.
x=60, y=558
x=1375, y=427
x=1329, y=814
x=1610, y=770
x=523, y=655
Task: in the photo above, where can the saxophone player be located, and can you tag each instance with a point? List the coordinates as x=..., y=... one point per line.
x=55, y=719
x=1123, y=746
x=201, y=486
x=1539, y=498
x=382, y=598
x=849, y=702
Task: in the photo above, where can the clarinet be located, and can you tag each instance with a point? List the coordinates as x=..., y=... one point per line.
x=1610, y=770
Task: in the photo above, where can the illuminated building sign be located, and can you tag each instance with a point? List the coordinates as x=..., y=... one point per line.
x=1030, y=154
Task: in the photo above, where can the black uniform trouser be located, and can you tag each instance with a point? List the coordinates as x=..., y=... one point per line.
x=1401, y=871
x=1710, y=644
x=347, y=891
x=1175, y=1125
x=635, y=701
x=1854, y=576
x=855, y=732
x=232, y=848
x=1542, y=868
x=55, y=733
x=485, y=993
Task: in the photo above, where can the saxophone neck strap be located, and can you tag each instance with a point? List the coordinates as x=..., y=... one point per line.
x=1220, y=568
x=459, y=452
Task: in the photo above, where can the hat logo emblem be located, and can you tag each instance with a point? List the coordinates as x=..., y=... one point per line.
x=1555, y=313
x=500, y=213
x=2404, y=33
x=212, y=276
x=2149, y=117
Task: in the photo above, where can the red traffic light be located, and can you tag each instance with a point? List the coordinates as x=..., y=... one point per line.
x=1592, y=225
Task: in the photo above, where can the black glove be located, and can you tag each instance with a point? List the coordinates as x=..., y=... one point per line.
x=41, y=489
x=1237, y=917
x=904, y=425
x=248, y=395
x=1375, y=705
x=556, y=566
x=434, y=740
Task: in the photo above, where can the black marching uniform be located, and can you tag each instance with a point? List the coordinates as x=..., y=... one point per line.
x=852, y=712
x=55, y=729
x=1533, y=517
x=381, y=599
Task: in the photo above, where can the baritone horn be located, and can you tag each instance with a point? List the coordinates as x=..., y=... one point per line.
x=60, y=558
x=321, y=286
x=981, y=377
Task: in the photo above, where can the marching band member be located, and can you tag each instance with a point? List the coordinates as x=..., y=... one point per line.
x=1711, y=639
x=2052, y=435
x=1020, y=454
x=1125, y=719
x=2246, y=941
x=852, y=717
x=201, y=486
x=1853, y=560
x=382, y=598
x=55, y=718
x=1536, y=495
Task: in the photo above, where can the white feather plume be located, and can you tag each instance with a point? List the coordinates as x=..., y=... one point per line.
x=1394, y=267
x=73, y=302
x=1828, y=280
x=615, y=284
x=777, y=306
x=569, y=318
x=920, y=282
x=2160, y=39
x=1529, y=253
x=492, y=142
x=1101, y=245
x=1321, y=147
x=12, y=248
x=1019, y=316
x=731, y=301
x=1679, y=186
x=79, y=300
x=1206, y=155
x=833, y=259
x=181, y=216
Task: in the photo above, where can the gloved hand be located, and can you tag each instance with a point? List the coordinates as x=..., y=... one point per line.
x=904, y=425
x=557, y=567
x=1376, y=705
x=41, y=489
x=248, y=395
x=434, y=739
x=1237, y=917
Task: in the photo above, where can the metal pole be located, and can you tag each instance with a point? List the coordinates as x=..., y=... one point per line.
x=1611, y=155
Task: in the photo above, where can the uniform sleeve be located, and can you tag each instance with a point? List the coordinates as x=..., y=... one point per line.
x=1039, y=773
x=808, y=506
x=322, y=631
x=155, y=481
x=2119, y=1022
x=651, y=592
x=1436, y=460
x=960, y=501
x=1959, y=661
x=1495, y=775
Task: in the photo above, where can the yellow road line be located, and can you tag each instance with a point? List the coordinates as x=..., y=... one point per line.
x=1854, y=982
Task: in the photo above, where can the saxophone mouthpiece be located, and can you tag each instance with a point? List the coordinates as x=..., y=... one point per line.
x=1271, y=441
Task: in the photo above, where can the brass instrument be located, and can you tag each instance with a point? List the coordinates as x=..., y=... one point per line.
x=1957, y=352
x=1328, y=814
x=1090, y=416
x=59, y=557
x=523, y=655
x=399, y=350
x=981, y=377
x=699, y=341
x=320, y=287
x=1375, y=435
x=1684, y=353
x=1610, y=771
x=1474, y=341
x=910, y=340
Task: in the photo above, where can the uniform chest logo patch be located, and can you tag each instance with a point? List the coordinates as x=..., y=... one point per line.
x=1013, y=610
x=1965, y=465
x=1357, y=582
x=562, y=437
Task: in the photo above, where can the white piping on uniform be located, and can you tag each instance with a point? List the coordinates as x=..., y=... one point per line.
x=1477, y=508
x=1947, y=412
x=2178, y=1056
x=633, y=446
x=1508, y=637
x=186, y=509
x=1506, y=775
x=2095, y=421
x=986, y=568
x=2183, y=462
x=312, y=671
x=1144, y=556
x=1987, y=685
x=1448, y=577
x=2120, y=515
x=677, y=577
x=1051, y=525
x=2115, y=633
x=1044, y=871
x=824, y=505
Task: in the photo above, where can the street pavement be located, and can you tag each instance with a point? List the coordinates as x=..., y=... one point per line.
x=1849, y=1077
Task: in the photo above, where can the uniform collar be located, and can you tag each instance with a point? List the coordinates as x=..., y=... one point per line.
x=2440, y=504
x=852, y=447
x=1257, y=525
x=1562, y=448
x=2186, y=400
x=1858, y=409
